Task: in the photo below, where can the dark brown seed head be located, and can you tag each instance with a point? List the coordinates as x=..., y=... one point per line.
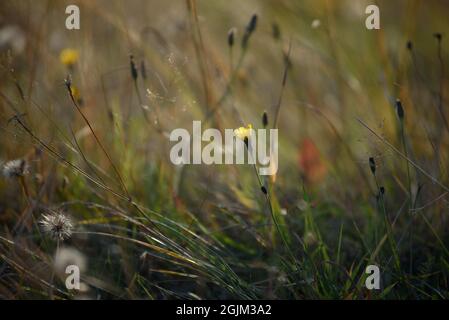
x=409, y=45
x=252, y=24
x=372, y=165
x=231, y=34
x=249, y=30
x=265, y=119
x=438, y=36
x=399, y=110
x=246, y=141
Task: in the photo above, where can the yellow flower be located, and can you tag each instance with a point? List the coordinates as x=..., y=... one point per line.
x=69, y=57
x=243, y=132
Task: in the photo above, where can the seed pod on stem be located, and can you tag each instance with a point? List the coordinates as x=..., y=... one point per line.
x=265, y=119
x=399, y=110
x=372, y=165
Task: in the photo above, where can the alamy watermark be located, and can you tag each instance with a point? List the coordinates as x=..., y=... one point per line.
x=244, y=145
x=72, y=22
x=373, y=280
x=73, y=279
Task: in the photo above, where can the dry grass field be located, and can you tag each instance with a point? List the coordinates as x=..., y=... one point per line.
x=87, y=179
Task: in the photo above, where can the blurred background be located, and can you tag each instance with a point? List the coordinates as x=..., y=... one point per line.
x=209, y=231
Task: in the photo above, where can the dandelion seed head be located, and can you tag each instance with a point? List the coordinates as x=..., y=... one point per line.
x=57, y=225
x=15, y=168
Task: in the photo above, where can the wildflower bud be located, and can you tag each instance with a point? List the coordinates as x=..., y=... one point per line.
x=249, y=30
x=68, y=84
x=399, y=110
x=409, y=45
x=252, y=24
x=133, y=67
x=275, y=31
x=231, y=34
x=264, y=190
x=265, y=119
x=372, y=165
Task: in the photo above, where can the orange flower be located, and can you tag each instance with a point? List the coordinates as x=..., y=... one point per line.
x=310, y=163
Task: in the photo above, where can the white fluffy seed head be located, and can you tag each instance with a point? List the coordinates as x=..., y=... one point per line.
x=15, y=168
x=57, y=225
